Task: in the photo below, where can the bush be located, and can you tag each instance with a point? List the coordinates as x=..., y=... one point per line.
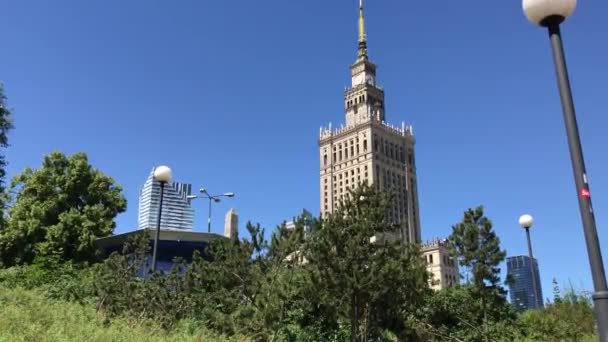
x=52, y=277
x=26, y=315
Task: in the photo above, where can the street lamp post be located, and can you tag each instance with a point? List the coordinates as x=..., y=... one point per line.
x=163, y=175
x=211, y=198
x=550, y=14
x=526, y=221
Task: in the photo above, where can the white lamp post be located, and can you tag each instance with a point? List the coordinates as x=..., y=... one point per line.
x=550, y=14
x=526, y=221
x=163, y=175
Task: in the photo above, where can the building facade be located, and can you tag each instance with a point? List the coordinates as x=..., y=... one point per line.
x=177, y=211
x=521, y=288
x=440, y=264
x=367, y=149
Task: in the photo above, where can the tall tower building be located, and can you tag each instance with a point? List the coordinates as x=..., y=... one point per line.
x=231, y=224
x=368, y=149
x=177, y=211
x=521, y=289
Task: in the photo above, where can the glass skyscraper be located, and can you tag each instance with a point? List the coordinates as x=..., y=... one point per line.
x=177, y=211
x=521, y=290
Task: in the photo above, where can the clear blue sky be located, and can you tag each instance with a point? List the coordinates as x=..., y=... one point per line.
x=231, y=95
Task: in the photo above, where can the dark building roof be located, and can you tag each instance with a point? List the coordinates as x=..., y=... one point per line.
x=165, y=235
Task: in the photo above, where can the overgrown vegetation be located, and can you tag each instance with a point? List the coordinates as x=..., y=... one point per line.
x=26, y=315
x=337, y=285
x=351, y=278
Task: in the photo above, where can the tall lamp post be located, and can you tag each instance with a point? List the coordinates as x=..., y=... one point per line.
x=526, y=221
x=162, y=174
x=212, y=198
x=550, y=14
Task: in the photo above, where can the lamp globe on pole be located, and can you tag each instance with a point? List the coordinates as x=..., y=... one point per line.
x=163, y=174
x=526, y=221
x=542, y=12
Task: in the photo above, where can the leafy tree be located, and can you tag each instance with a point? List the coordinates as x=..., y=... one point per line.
x=6, y=125
x=477, y=248
x=453, y=314
x=569, y=318
x=60, y=209
x=372, y=285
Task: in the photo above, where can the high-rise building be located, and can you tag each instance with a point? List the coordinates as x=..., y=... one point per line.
x=231, y=224
x=177, y=212
x=440, y=264
x=308, y=220
x=367, y=149
x=521, y=288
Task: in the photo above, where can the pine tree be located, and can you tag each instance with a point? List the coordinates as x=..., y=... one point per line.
x=361, y=275
x=477, y=248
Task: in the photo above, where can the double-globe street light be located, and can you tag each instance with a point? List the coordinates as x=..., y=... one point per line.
x=211, y=198
x=162, y=174
x=550, y=14
x=526, y=221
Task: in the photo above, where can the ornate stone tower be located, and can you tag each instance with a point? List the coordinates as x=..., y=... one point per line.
x=368, y=149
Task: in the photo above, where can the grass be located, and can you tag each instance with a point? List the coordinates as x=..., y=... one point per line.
x=27, y=315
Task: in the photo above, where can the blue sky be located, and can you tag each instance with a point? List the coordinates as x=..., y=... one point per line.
x=231, y=95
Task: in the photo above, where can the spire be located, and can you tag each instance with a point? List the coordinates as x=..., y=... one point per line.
x=362, y=36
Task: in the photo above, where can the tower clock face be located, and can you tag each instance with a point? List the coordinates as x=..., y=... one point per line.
x=369, y=79
x=358, y=79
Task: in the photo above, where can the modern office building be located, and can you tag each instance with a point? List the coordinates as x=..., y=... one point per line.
x=521, y=288
x=367, y=149
x=177, y=211
x=308, y=219
x=440, y=264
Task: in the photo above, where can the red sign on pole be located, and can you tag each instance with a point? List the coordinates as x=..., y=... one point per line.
x=585, y=193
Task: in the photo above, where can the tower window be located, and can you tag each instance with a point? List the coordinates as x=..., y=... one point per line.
x=365, y=145
x=325, y=160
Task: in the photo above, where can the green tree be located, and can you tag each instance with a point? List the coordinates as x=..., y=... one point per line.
x=477, y=248
x=361, y=271
x=6, y=125
x=453, y=314
x=569, y=318
x=60, y=209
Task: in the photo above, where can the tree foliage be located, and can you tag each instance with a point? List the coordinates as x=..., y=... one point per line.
x=569, y=318
x=6, y=124
x=60, y=209
x=477, y=249
x=372, y=285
